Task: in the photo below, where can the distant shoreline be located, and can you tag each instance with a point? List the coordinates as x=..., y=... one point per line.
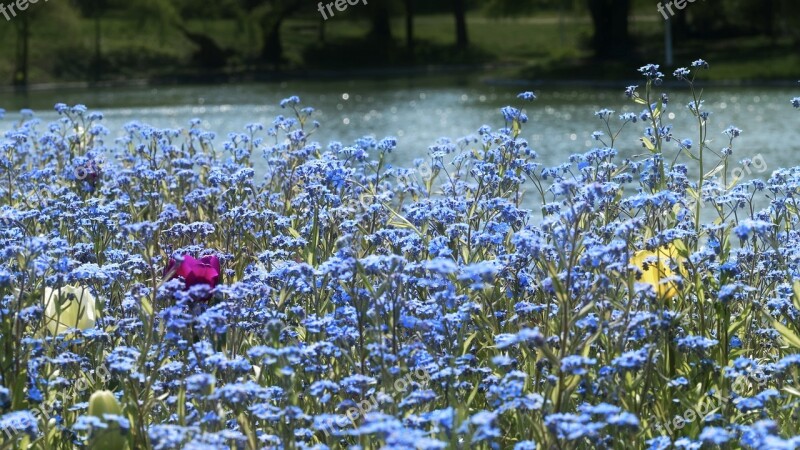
x=485, y=73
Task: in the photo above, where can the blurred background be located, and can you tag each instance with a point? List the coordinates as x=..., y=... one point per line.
x=414, y=69
x=171, y=41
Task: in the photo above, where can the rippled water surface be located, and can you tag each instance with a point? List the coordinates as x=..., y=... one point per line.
x=418, y=111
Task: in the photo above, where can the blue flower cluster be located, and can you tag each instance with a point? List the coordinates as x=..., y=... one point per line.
x=476, y=300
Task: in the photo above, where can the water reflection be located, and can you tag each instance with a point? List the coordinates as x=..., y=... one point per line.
x=418, y=111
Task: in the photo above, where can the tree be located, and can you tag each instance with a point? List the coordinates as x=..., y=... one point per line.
x=381, y=29
x=24, y=21
x=610, y=20
x=209, y=54
x=95, y=10
x=266, y=18
x=271, y=22
x=460, y=13
x=409, y=5
x=22, y=59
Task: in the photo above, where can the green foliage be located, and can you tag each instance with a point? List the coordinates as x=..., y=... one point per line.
x=551, y=36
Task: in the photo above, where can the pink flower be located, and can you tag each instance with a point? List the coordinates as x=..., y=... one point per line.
x=205, y=270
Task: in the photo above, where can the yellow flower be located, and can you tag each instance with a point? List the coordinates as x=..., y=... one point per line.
x=655, y=270
x=69, y=307
x=111, y=438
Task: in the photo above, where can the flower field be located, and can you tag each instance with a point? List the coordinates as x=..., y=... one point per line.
x=157, y=292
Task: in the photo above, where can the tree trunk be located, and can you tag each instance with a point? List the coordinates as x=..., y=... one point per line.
x=460, y=12
x=769, y=19
x=381, y=23
x=97, y=70
x=680, y=26
x=273, y=46
x=271, y=22
x=23, y=38
x=610, y=20
x=209, y=55
x=410, y=25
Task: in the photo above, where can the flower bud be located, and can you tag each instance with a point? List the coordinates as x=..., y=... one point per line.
x=102, y=403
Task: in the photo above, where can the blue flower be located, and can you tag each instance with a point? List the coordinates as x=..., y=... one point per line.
x=479, y=274
x=200, y=383
x=659, y=443
x=763, y=435
x=624, y=420
x=18, y=422
x=291, y=101
x=715, y=436
x=687, y=444
x=576, y=364
x=632, y=360
x=748, y=226
x=527, y=96
x=511, y=114
x=695, y=343
x=681, y=73
x=604, y=114
x=651, y=72
x=484, y=426
x=525, y=335
x=747, y=404
x=168, y=437
x=732, y=132
x=678, y=382
x=123, y=360
x=573, y=426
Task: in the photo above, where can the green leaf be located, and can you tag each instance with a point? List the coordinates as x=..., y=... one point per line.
x=468, y=343
x=659, y=110
x=788, y=335
x=796, y=297
x=792, y=391
x=582, y=313
x=473, y=394
x=648, y=144
x=147, y=307
x=587, y=346
x=741, y=320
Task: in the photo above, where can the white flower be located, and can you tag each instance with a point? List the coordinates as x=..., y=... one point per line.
x=69, y=307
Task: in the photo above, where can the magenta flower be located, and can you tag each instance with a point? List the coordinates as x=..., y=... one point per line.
x=205, y=270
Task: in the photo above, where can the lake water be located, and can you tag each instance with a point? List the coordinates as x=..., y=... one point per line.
x=419, y=110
